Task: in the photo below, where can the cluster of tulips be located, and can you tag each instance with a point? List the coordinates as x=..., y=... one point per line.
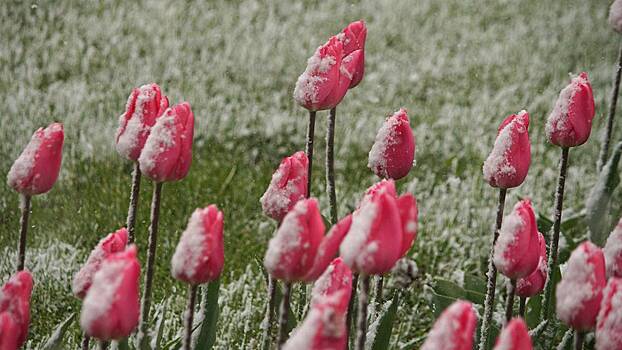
x=370, y=242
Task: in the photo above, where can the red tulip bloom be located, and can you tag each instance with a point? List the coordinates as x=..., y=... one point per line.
x=143, y=107
x=327, y=77
x=613, y=252
x=409, y=217
x=111, y=306
x=533, y=284
x=15, y=301
x=374, y=242
x=393, y=152
x=517, y=251
x=508, y=163
x=9, y=332
x=515, y=336
x=615, y=16
x=570, y=122
x=35, y=171
x=609, y=324
x=580, y=291
x=383, y=186
x=113, y=243
x=291, y=252
x=288, y=186
x=328, y=248
x=337, y=278
x=353, y=39
x=200, y=257
x=167, y=154
x=454, y=329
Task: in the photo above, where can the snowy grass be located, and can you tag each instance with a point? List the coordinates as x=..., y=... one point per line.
x=459, y=66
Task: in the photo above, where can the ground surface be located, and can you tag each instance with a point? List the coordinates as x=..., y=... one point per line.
x=459, y=66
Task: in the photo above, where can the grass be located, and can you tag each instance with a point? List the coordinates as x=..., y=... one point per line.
x=459, y=66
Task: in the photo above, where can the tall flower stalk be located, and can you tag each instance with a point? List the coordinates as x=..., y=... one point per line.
x=330, y=165
x=309, y=150
x=133, y=208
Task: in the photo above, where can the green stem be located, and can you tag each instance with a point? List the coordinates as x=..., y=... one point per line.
x=131, y=212
x=309, y=149
x=24, y=206
x=189, y=317
x=361, y=328
x=330, y=165
x=284, y=314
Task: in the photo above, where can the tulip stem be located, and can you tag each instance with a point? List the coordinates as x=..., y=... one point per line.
x=509, y=307
x=522, y=303
x=284, y=313
x=566, y=339
x=302, y=301
x=189, y=317
x=85, y=341
x=131, y=213
x=330, y=165
x=604, y=151
x=379, y=285
x=268, y=318
x=153, y=237
x=103, y=345
x=350, y=315
x=361, y=326
x=491, y=275
x=309, y=149
x=554, y=238
x=24, y=206
x=579, y=337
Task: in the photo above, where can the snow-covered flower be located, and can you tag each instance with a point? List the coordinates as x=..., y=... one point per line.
x=609, y=321
x=393, y=152
x=288, y=186
x=454, y=329
x=514, y=336
x=15, y=307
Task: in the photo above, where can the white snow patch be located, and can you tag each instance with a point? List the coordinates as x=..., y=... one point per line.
x=129, y=134
x=24, y=164
x=558, y=118
x=575, y=286
x=306, y=89
x=497, y=163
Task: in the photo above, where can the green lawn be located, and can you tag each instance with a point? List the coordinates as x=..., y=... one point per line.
x=459, y=66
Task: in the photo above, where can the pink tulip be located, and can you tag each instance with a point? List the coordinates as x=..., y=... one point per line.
x=570, y=122
x=609, y=322
x=508, y=163
x=515, y=336
x=15, y=301
x=393, y=152
x=580, y=291
x=324, y=327
x=407, y=207
x=329, y=247
x=383, y=186
x=288, y=186
x=9, y=332
x=291, y=252
x=167, y=154
x=113, y=243
x=111, y=306
x=327, y=77
x=199, y=257
x=374, y=242
x=615, y=16
x=517, y=251
x=454, y=329
x=37, y=168
x=337, y=278
x=353, y=38
x=613, y=252
x=533, y=284
x=143, y=107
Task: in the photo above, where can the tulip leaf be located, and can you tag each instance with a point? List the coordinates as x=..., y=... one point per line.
x=385, y=326
x=55, y=341
x=160, y=324
x=474, y=289
x=599, y=199
x=123, y=344
x=209, y=324
x=532, y=311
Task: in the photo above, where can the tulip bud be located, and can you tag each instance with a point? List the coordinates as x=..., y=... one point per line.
x=516, y=252
x=329, y=247
x=143, y=107
x=15, y=300
x=393, y=152
x=167, y=154
x=515, y=336
x=615, y=16
x=613, y=252
x=353, y=38
x=383, y=186
x=570, y=121
x=374, y=242
x=9, y=332
x=113, y=243
x=291, y=252
x=111, y=307
x=407, y=207
x=454, y=329
x=337, y=278
x=199, y=257
x=288, y=186
x=580, y=291
x=609, y=324
x=533, y=284
x=35, y=171
x=508, y=163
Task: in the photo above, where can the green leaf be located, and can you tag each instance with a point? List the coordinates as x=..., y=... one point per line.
x=474, y=289
x=532, y=312
x=160, y=323
x=55, y=341
x=207, y=332
x=475, y=283
x=123, y=344
x=440, y=303
x=385, y=327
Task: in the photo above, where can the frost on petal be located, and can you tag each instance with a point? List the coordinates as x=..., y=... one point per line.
x=21, y=171
x=102, y=294
x=161, y=138
x=355, y=249
x=385, y=139
x=507, y=237
x=190, y=250
x=499, y=163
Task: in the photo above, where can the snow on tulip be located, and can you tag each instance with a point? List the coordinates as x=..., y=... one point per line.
x=337, y=278
x=15, y=308
x=454, y=329
x=533, y=284
x=609, y=321
x=393, y=152
x=288, y=186
x=514, y=336
x=613, y=252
